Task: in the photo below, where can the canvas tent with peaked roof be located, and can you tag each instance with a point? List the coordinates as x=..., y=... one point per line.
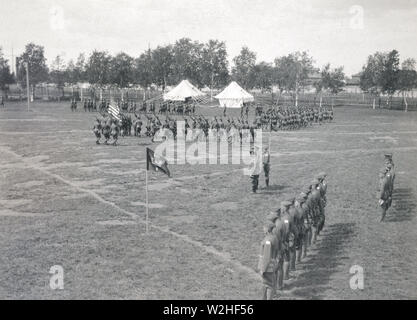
x=182, y=92
x=233, y=96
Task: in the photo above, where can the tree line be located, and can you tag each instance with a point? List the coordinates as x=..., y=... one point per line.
x=383, y=74
x=206, y=65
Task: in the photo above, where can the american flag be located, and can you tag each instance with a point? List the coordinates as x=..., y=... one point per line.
x=114, y=111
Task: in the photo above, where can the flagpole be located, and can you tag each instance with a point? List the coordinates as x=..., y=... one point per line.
x=147, y=207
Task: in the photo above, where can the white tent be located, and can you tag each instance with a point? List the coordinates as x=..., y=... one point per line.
x=233, y=96
x=183, y=91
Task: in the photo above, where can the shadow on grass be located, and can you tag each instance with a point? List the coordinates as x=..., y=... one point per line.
x=328, y=256
x=404, y=204
x=272, y=189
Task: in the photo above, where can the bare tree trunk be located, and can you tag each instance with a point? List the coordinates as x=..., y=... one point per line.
x=405, y=102
x=373, y=104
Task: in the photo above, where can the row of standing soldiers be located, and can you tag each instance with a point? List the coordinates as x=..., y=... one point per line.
x=289, y=231
x=165, y=107
x=386, y=185
x=283, y=118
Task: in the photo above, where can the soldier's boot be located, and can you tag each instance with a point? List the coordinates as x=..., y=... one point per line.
x=292, y=259
x=299, y=252
x=264, y=293
x=280, y=277
x=267, y=182
x=98, y=141
x=305, y=245
x=286, y=270
x=384, y=212
x=314, y=238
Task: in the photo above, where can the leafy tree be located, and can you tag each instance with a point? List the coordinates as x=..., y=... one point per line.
x=214, y=64
x=292, y=72
x=98, y=68
x=35, y=58
x=331, y=80
x=407, y=79
x=6, y=77
x=143, y=75
x=58, y=73
x=261, y=76
x=162, y=65
x=389, y=80
x=187, y=61
x=380, y=74
x=121, y=70
x=243, y=65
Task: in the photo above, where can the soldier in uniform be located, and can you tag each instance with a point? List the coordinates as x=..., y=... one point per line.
x=115, y=131
x=301, y=208
x=266, y=157
x=287, y=240
x=97, y=131
x=256, y=169
x=322, y=187
x=268, y=262
x=384, y=196
x=293, y=236
x=106, y=130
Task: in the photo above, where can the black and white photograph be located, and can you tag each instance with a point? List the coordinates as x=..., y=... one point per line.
x=208, y=150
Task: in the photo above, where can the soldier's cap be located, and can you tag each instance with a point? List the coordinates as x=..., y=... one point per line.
x=272, y=216
x=301, y=197
x=286, y=203
x=269, y=226
x=388, y=155
x=320, y=176
x=290, y=199
x=307, y=189
x=314, y=182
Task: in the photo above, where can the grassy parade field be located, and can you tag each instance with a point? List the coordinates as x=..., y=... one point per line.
x=66, y=201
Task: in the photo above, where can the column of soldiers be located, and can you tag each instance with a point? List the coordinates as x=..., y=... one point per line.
x=108, y=127
x=386, y=185
x=289, y=232
x=282, y=118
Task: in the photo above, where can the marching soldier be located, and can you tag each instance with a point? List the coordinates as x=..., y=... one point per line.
x=106, y=131
x=266, y=157
x=97, y=131
x=115, y=131
x=268, y=262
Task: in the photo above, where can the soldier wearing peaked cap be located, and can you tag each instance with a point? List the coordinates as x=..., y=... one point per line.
x=266, y=158
x=384, y=196
x=287, y=238
x=268, y=262
x=300, y=214
x=315, y=209
x=294, y=235
x=256, y=169
x=322, y=187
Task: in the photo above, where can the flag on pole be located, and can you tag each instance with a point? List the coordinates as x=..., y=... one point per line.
x=156, y=162
x=114, y=111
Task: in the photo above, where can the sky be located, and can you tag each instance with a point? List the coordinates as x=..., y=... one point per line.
x=342, y=33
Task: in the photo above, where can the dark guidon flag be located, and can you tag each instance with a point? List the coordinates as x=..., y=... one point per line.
x=156, y=162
